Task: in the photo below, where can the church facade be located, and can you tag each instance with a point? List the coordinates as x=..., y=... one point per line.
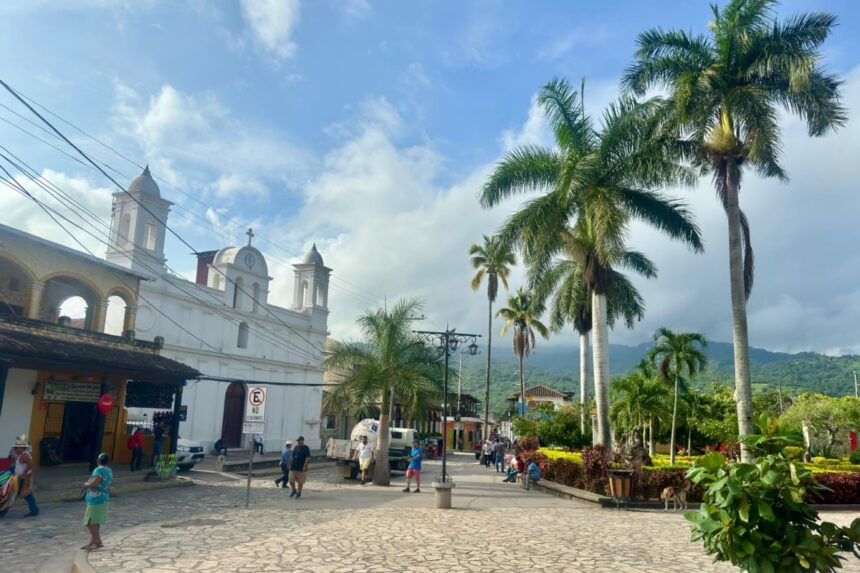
x=223, y=325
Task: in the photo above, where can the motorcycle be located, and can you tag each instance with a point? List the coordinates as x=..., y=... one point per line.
x=8, y=485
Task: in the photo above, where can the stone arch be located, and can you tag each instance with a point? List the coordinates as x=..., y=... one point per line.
x=234, y=411
x=16, y=287
x=305, y=294
x=63, y=286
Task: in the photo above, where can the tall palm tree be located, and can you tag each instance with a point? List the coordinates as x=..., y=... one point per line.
x=600, y=179
x=388, y=364
x=494, y=260
x=680, y=356
x=563, y=279
x=656, y=399
x=639, y=399
x=726, y=90
x=524, y=316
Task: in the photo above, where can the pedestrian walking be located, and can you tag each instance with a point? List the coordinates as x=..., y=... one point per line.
x=299, y=467
x=135, y=444
x=499, y=455
x=286, y=460
x=414, y=468
x=364, y=455
x=488, y=453
x=24, y=471
x=157, y=442
x=98, y=494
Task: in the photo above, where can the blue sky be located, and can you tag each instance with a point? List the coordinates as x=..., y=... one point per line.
x=368, y=127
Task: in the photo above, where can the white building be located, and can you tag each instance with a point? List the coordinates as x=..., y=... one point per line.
x=233, y=332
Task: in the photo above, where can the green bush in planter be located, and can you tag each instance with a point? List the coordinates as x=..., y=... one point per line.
x=854, y=458
x=754, y=515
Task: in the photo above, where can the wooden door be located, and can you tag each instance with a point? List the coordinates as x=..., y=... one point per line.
x=234, y=411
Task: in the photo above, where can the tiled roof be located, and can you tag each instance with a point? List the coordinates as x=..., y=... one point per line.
x=35, y=344
x=541, y=391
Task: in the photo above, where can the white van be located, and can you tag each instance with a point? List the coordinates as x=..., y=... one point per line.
x=398, y=450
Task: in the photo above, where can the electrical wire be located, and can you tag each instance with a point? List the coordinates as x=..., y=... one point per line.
x=145, y=208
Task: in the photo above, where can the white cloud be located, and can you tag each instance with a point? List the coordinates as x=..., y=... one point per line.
x=356, y=9
x=580, y=37
x=195, y=141
x=272, y=23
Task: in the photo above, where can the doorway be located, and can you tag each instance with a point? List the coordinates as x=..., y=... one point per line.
x=79, y=430
x=234, y=410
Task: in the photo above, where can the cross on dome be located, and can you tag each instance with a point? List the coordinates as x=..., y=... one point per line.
x=250, y=234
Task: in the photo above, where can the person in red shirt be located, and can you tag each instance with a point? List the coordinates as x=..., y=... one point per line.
x=517, y=466
x=135, y=444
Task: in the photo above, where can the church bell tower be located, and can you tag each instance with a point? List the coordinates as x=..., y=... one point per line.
x=138, y=226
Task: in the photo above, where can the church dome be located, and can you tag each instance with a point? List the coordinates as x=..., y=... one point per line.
x=144, y=184
x=313, y=257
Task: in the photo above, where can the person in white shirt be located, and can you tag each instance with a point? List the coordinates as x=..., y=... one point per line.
x=364, y=455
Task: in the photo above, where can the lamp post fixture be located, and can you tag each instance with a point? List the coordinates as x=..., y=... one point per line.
x=447, y=342
x=471, y=350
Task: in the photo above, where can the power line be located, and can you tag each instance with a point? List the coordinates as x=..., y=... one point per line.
x=144, y=207
x=38, y=181
x=112, y=149
x=192, y=215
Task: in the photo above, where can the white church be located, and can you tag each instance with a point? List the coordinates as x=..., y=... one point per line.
x=234, y=334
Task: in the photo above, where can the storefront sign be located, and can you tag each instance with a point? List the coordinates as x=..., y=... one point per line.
x=56, y=390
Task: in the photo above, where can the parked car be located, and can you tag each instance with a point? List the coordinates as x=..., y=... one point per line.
x=188, y=454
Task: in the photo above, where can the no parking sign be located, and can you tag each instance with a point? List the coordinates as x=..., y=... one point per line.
x=255, y=410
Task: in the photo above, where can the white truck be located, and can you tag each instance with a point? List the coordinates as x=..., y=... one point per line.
x=400, y=443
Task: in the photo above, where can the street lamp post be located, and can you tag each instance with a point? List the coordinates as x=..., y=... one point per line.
x=447, y=342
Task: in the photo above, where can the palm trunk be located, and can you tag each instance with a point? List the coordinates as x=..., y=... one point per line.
x=650, y=435
x=522, y=388
x=740, y=336
x=674, y=417
x=583, y=378
x=690, y=441
x=381, y=471
x=600, y=349
x=485, y=432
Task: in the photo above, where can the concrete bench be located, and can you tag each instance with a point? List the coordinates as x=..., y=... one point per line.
x=567, y=492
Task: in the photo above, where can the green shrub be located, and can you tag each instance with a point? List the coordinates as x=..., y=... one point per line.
x=854, y=458
x=794, y=453
x=755, y=516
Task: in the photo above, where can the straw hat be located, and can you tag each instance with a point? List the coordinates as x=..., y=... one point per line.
x=21, y=442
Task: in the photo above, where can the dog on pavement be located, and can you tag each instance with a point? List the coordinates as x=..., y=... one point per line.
x=677, y=495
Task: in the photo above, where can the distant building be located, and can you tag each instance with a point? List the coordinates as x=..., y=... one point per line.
x=541, y=394
x=245, y=339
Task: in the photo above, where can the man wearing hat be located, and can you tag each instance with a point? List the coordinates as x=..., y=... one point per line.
x=286, y=460
x=299, y=467
x=24, y=471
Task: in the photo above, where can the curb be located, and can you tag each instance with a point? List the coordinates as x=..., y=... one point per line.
x=146, y=486
x=81, y=564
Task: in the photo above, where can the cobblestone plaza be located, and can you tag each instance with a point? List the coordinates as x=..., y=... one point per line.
x=339, y=526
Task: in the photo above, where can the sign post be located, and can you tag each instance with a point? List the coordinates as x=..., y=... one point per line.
x=255, y=418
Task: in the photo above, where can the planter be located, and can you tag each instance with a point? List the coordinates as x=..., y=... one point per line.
x=443, y=494
x=621, y=484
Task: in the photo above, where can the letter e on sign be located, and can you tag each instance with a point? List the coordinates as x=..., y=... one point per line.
x=256, y=410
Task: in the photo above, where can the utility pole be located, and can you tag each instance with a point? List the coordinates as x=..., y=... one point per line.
x=856, y=394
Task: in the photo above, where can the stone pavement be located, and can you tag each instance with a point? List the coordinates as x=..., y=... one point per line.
x=341, y=526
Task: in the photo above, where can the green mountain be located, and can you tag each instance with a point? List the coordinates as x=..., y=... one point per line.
x=558, y=367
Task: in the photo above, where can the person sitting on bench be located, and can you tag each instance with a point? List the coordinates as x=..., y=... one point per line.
x=532, y=474
x=220, y=447
x=517, y=466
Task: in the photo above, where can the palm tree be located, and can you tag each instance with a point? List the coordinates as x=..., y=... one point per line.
x=494, y=260
x=638, y=398
x=564, y=280
x=388, y=364
x=681, y=356
x=726, y=90
x=524, y=316
x=601, y=179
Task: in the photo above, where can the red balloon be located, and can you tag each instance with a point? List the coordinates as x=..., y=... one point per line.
x=105, y=403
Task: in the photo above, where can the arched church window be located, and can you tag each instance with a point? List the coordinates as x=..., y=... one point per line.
x=305, y=295
x=242, y=341
x=256, y=294
x=125, y=227
x=238, y=287
x=149, y=236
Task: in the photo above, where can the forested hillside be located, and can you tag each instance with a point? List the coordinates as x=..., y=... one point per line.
x=559, y=368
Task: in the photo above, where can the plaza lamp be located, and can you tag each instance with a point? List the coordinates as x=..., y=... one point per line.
x=446, y=342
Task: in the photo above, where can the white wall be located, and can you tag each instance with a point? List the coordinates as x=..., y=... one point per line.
x=17, y=406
